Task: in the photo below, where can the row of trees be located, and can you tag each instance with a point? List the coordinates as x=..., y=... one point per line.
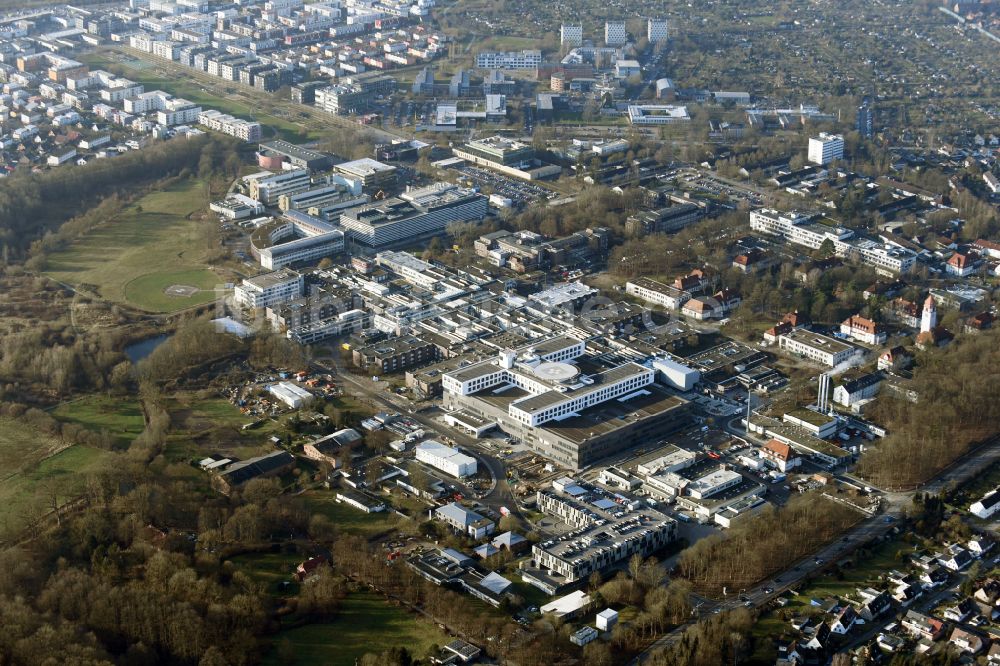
x=761, y=545
x=33, y=205
x=956, y=409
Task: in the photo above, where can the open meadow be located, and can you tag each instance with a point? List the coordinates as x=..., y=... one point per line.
x=155, y=243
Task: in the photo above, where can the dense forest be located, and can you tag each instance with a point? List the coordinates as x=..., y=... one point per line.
x=955, y=410
x=769, y=542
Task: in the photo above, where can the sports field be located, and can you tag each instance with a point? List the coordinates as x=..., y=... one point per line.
x=151, y=256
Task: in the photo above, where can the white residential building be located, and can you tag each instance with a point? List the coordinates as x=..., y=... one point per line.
x=826, y=148
x=615, y=33
x=659, y=293
x=570, y=35
x=805, y=230
x=270, y=289
x=987, y=506
x=526, y=59
x=863, y=330
x=657, y=30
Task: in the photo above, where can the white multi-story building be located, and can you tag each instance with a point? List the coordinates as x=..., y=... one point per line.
x=820, y=348
x=267, y=187
x=526, y=59
x=657, y=30
x=448, y=460
x=863, y=330
x=826, y=148
x=615, y=33
x=245, y=130
x=570, y=35
x=270, y=289
x=554, y=387
x=802, y=229
x=418, y=213
x=659, y=293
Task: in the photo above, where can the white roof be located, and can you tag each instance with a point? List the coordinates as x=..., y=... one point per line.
x=573, y=601
x=495, y=583
x=439, y=450
x=608, y=613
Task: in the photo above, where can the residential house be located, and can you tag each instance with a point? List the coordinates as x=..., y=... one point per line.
x=967, y=641
x=874, y=604
x=906, y=593
x=922, y=626
x=309, y=568
x=987, y=506
x=781, y=455
x=979, y=322
x=961, y=611
x=980, y=545
x=844, y=620
x=888, y=642
x=957, y=558
x=851, y=392
x=934, y=576
x=990, y=248
x=988, y=592
x=751, y=261
x=895, y=359
x=465, y=520
x=513, y=542
x=962, y=264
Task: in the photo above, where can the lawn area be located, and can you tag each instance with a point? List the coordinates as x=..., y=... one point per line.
x=347, y=518
x=120, y=417
x=152, y=245
x=366, y=623
x=31, y=485
x=271, y=569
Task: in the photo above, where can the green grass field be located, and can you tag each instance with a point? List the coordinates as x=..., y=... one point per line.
x=36, y=472
x=347, y=518
x=120, y=417
x=271, y=570
x=152, y=245
x=366, y=623
x=150, y=290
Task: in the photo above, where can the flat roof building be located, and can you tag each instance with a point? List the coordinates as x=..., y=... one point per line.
x=817, y=347
x=657, y=114
x=416, y=214
x=270, y=289
x=826, y=148
x=298, y=156
x=448, y=460
x=562, y=404
x=607, y=529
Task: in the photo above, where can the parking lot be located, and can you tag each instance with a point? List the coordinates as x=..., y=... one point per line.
x=518, y=192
